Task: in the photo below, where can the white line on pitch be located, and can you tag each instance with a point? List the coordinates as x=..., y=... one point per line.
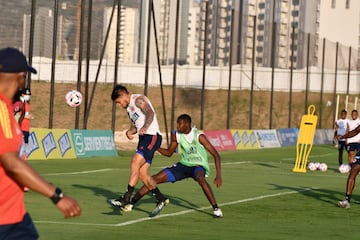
x=178, y=213
x=74, y=173
x=112, y=169
x=126, y=169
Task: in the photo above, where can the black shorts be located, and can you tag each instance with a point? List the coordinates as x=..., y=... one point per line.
x=26, y=136
x=352, y=147
x=24, y=230
x=341, y=145
x=179, y=172
x=356, y=159
x=147, y=146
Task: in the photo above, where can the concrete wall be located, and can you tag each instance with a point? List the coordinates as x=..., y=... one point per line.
x=191, y=76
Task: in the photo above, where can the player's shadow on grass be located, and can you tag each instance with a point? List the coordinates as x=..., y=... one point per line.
x=328, y=196
x=266, y=165
x=106, y=194
x=174, y=200
x=102, y=192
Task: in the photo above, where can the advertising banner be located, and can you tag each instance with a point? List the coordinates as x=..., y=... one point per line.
x=287, y=136
x=89, y=143
x=68, y=144
x=267, y=138
x=324, y=136
x=245, y=139
x=49, y=144
x=221, y=139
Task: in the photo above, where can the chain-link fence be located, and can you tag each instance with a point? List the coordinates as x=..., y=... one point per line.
x=266, y=72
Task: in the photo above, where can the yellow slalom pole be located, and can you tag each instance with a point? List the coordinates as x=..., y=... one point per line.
x=305, y=139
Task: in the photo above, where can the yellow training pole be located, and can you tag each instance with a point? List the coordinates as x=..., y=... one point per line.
x=305, y=139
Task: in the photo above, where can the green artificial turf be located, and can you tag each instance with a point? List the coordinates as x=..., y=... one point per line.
x=261, y=198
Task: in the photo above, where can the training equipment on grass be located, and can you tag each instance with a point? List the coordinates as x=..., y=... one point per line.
x=317, y=165
x=323, y=167
x=305, y=139
x=312, y=166
x=73, y=98
x=344, y=168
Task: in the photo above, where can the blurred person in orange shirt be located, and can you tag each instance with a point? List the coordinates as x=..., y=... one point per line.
x=15, y=222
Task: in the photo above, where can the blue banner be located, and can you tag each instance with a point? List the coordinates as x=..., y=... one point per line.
x=287, y=136
x=324, y=136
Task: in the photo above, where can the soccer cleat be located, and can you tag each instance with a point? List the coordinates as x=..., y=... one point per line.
x=159, y=207
x=119, y=203
x=344, y=204
x=218, y=213
x=127, y=207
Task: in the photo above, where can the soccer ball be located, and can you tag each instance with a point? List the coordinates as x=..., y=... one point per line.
x=312, y=166
x=73, y=98
x=317, y=165
x=344, y=168
x=323, y=167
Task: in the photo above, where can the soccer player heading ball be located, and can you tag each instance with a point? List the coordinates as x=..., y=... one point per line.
x=145, y=123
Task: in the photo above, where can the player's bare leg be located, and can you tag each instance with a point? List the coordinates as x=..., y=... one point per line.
x=200, y=178
x=355, y=169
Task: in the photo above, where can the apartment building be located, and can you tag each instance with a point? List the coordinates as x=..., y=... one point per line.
x=280, y=30
x=338, y=21
x=214, y=27
x=43, y=34
x=128, y=34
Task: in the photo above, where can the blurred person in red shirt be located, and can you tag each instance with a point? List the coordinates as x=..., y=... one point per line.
x=18, y=107
x=15, y=222
x=27, y=115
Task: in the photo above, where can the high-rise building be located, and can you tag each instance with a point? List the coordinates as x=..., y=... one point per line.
x=128, y=34
x=193, y=35
x=339, y=22
x=280, y=31
x=165, y=19
x=215, y=26
x=183, y=30
x=144, y=25
x=43, y=33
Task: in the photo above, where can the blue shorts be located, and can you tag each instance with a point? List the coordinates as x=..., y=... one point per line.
x=179, y=172
x=24, y=230
x=147, y=146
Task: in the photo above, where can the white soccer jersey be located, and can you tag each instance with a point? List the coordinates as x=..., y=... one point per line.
x=138, y=117
x=342, y=125
x=190, y=136
x=352, y=125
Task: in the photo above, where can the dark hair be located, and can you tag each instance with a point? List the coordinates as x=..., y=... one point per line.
x=354, y=111
x=26, y=91
x=118, y=89
x=184, y=117
x=344, y=110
